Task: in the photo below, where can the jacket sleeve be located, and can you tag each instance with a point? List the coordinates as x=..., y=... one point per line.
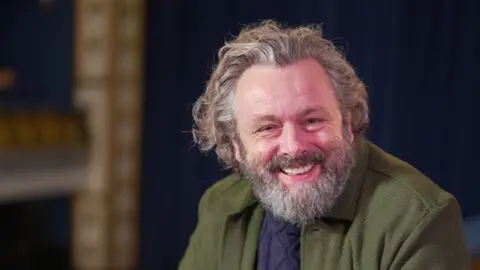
x=201, y=252
x=437, y=242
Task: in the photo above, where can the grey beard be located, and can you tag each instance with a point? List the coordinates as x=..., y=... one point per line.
x=305, y=202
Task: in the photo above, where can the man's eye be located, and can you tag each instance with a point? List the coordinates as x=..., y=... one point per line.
x=266, y=128
x=314, y=121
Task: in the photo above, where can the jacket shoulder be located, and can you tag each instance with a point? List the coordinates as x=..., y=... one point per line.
x=404, y=214
x=403, y=184
x=229, y=195
x=214, y=207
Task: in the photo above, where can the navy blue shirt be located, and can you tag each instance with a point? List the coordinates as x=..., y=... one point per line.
x=279, y=245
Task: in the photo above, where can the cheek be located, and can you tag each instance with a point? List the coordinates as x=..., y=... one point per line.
x=263, y=151
x=327, y=138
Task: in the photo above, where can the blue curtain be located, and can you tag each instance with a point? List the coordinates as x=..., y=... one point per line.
x=418, y=58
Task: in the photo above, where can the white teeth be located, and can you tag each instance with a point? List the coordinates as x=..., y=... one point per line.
x=299, y=170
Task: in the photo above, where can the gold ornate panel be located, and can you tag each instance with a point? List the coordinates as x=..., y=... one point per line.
x=108, y=78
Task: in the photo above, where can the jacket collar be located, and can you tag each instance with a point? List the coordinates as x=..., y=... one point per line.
x=346, y=204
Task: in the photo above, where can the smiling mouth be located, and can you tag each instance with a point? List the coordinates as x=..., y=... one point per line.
x=297, y=170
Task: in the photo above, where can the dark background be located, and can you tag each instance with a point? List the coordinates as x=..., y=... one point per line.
x=38, y=44
x=419, y=60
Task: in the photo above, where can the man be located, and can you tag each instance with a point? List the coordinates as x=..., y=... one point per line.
x=287, y=112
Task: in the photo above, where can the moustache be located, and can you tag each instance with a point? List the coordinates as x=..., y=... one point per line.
x=280, y=161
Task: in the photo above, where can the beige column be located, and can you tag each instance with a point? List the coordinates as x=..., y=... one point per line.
x=108, y=82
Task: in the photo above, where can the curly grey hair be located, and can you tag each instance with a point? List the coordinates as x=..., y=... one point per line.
x=274, y=44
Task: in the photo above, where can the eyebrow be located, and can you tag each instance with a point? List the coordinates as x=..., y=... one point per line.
x=314, y=109
x=265, y=118
x=272, y=118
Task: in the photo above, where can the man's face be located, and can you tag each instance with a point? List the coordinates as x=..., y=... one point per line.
x=292, y=143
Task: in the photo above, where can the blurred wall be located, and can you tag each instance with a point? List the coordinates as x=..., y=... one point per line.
x=37, y=42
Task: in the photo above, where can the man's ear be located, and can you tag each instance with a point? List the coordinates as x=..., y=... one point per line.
x=348, y=127
x=236, y=149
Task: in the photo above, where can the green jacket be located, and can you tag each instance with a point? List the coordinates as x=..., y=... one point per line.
x=390, y=216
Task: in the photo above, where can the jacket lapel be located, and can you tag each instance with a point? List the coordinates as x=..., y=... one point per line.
x=240, y=239
x=251, y=240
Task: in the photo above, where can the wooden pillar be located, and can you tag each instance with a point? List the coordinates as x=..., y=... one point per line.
x=108, y=78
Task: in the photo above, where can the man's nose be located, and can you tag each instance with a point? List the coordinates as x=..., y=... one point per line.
x=292, y=141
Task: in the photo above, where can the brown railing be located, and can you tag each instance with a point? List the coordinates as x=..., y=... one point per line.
x=26, y=128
